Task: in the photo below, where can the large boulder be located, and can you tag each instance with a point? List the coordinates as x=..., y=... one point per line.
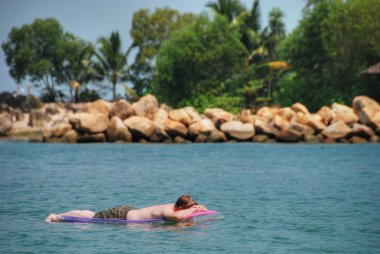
x=289, y=135
x=91, y=138
x=246, y=117
x=361, y=101
x=147, y=106
x=99, y=107
x=344, y=113
x=180, y=115
x=4, y=108
x=267, y=113
x=238, y=130
x=298, y=107
x=362, y=131
x=175, y=128
x=71, y=136
x=327, y=115
x=121, y=109
x=280, y=122
x=262, y=127
x=304, y=129
x=192, y=113
x=51, y=109
x=26, y=132
x=141, y=127
x=312, y=120
x=117, y=131
x=337, y=130
x=90, y=123
x=261, y=138
x=75, y=107
x=286, y=113
x=159, y=135
x=201, y=138
x=18, y=114
x=371, y=118
x=204, y=126
x=312, y=139
x=368, y=110
x=59, y=129
x=218, y=116
x=5, y=123
x=216, y=137
x=357, y=140
x=38, y=118
x=161, y=117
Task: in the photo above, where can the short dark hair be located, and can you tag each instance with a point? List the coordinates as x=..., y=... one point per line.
x=185, y=202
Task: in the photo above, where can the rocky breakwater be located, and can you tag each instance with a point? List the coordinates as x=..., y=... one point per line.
x=148, y=121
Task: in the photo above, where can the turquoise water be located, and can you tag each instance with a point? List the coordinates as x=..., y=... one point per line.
x=275, y=198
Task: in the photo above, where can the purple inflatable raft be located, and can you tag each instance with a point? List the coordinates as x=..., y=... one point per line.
x=97, y=220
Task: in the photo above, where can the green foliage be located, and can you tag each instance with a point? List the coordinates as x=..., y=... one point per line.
x=328, y=51
x=227, y=8
x=261, y=46
x=130, y=94
x=249, y=26
x=197, y=61
x=274, y=33
x=88, y=95
x=149, y=31
x=112, y=60
x=225, y=101
x=38, y=51
x=251, y=92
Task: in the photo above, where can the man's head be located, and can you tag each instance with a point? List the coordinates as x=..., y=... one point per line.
x=184, y=202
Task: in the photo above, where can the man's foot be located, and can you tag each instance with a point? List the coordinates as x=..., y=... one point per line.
x=53, y=218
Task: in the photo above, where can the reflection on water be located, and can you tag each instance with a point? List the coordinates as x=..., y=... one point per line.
x=202, y=222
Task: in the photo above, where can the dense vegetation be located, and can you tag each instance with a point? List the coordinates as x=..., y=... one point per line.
x=227, y=59
x=328, y=51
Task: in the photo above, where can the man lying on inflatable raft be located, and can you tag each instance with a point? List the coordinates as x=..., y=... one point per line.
x=184, y=208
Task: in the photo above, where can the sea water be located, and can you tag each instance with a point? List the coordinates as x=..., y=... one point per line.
x=275, y=198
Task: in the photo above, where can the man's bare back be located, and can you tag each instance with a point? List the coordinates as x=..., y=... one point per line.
x=167, y=211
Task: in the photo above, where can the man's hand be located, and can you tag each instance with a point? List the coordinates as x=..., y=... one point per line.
x=199, y=208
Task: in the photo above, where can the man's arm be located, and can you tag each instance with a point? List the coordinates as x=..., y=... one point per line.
x=180, y=215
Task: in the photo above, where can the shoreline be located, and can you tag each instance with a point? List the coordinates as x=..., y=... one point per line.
x=147, y=121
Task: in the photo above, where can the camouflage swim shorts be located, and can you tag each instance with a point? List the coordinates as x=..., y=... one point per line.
x=117, y=212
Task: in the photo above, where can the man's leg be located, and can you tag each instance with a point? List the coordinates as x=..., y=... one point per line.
x=75, y=213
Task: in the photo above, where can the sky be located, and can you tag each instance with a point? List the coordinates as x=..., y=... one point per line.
x=91, y=19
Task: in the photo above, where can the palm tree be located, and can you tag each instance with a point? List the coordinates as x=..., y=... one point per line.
x=112, y=61
x=228, y=8
x=249, y=23
x=79, y=67
x=275, y=32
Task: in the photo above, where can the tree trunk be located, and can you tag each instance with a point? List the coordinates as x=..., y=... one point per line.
x=114, y=91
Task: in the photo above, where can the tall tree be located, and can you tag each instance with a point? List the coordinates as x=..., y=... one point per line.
x=79, y=66
x=274, y=33
x=37, y=51
x=228, y=8
x=334, y=42
x=112, y=60
x=249, y=25
x=149, y=31
x=195, y=64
